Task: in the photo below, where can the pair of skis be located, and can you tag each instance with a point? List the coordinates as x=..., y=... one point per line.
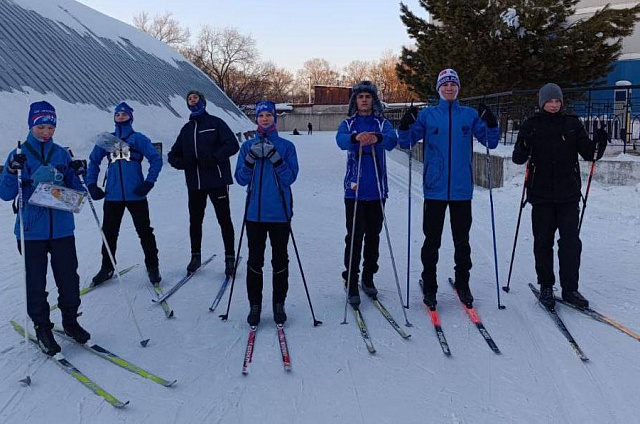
x=362, y=326
x=473, y=316
x=282, y=342
x=103, y=353
x=588, y=312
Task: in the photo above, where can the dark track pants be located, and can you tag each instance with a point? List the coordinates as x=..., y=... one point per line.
x=197, y=204
x=369, y=222
x=278, y=233
x=432, y=226
x=64, y=263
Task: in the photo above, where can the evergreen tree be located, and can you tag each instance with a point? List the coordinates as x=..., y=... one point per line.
x=498, y=45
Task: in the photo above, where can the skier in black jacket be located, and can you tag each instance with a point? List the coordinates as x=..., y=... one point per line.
x=202, y=150
x=551, y=142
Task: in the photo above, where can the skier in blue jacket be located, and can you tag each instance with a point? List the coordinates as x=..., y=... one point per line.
x=268, y=166
x=127, y=188
x=363, y=132
x=46, y=231
x=447, y=131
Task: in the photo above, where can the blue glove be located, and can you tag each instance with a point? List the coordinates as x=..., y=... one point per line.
x=95, y=192
x=143, y=189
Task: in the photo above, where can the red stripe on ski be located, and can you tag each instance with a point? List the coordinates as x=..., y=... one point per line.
x=248, y=355
x=286, y=360
x=435, y=318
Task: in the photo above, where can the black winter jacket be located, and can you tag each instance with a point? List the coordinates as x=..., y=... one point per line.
x=554, y=141
x=202, y=150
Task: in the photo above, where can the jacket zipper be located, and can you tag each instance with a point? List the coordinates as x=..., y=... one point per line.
x=260, y=191
x=449, y=176
x=50, y=210
x=124, y=198
x=195, y=149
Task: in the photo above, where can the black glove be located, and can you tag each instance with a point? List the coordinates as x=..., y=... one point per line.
x=79, y=167
x=17, y=162
x=95, y=192
x=601, y=138
x=143, y=189
x=408, y=118
x=485, y=113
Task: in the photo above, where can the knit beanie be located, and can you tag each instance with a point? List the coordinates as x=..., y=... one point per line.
x=124, y=107
x=547, y=92
x=445, y=76
x=41, y=113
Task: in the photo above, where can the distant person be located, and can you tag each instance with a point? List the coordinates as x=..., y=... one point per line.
x=48, y=233
x=127, y=188
x=268, y=166
x=363, y=131
x=447, y=131
x=296, y=132
x=551, y=141
x=202, y=150
x=309, y=128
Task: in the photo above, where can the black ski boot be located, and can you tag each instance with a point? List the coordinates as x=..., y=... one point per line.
x=72, y=329
x=105, y=274
x=575, y=298
x=279, y=315
x=154, y=274
x=464, y=294
x=196, y=261
x=46, y=341
x=546, y=297
x=229, y=265
x=254, y=315
x=429, y=299
x=369, y=288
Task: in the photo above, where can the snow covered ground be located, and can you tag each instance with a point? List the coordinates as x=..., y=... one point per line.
x=536, y=379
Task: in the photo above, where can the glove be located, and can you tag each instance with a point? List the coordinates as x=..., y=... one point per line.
x=143, y=189
x=17, y=162
x=485, y=114
x=601, y=138
x=408, y=118
x=95, y=192
x=272, y=154
x=78, y=167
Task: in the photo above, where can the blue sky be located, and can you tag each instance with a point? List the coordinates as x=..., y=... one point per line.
x=289, y=32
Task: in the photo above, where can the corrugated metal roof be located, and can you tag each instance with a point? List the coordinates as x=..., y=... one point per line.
x=49, y=56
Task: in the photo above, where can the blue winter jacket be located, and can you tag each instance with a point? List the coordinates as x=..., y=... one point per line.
x=124, y=176
x=447, y=131
x=40, y=223
x=265, y=201
x=345, y=138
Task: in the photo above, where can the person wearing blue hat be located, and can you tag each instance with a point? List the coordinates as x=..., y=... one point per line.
x=447, y=131
x=126, y=188
x=268, y=166
x=202, y=150
x=47, y=231
x=364, y=132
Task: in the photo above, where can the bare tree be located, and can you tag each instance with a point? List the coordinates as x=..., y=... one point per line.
x=356, y=71
x=163, y=27
x=281, y=84
x=315, y=72
x=384, y=74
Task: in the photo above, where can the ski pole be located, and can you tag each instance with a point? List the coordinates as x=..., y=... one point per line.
x=353, y=235
x=493, y=228
x=523, y=203
x=409, y=221
x=27, y=379
x=143, y=341
x=295, y=246
x=225, y=316
x=586, y=193
x=386, y=230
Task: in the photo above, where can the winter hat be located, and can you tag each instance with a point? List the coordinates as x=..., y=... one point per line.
x=547, y=92
x=266, y=106
x=41, y=113
x=445, y=76
x=124, y=107
x=364, y=87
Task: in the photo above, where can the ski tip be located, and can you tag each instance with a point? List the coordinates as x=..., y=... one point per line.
x=121, y=404
x=171, y=384
x=26, y=381
x=144, y=342
x=170, y=315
